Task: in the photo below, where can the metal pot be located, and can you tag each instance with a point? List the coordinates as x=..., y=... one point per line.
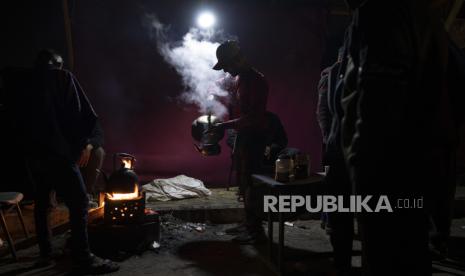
x=208, y=142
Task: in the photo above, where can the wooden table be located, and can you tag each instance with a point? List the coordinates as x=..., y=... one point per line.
x=308, y=186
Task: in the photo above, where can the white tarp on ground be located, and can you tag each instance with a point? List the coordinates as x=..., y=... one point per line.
x=178, y=187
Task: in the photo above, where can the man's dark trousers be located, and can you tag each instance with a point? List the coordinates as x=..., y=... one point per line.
x=54, y=173
x=342, y=224
x=250, y=148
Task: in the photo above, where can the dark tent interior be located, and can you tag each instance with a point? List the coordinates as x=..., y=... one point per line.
x=136, y=93
x=142, y=67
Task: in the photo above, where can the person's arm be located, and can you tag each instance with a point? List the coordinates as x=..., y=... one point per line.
x=375, y=109
x=96, y=138
x=88, y=117
x=95, y=141
x=81, y=117
x=322, y=109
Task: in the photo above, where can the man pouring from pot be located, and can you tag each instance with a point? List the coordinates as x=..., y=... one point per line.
x=247, y=111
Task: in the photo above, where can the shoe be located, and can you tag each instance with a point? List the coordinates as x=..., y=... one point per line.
x=250, y=237
x=93, y=202
x=95, y=265
x=236, y=229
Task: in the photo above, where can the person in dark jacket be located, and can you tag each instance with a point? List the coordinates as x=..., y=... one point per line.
x=52, y=118
x=443, y=206
x=249, y=95
x=398, y=130
x=340, y=226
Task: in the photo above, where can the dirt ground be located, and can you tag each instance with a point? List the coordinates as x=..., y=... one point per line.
x=202, y=249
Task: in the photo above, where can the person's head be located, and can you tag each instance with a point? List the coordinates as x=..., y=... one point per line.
x=230, y=58
x=48, y=57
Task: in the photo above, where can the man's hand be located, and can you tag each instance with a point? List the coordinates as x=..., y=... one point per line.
x=85, y=155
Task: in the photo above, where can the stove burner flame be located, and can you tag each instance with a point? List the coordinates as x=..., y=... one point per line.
x=126, y=196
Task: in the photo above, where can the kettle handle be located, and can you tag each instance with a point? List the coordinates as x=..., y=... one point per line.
x=122, y=155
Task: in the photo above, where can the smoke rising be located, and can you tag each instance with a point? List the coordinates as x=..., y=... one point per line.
x=193, y=58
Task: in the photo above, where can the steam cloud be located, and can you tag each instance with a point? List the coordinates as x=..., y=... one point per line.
x=193, y=58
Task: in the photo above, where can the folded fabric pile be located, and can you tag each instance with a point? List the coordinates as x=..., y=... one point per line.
x=178, y=187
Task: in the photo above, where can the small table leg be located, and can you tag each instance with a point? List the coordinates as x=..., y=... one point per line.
x=270, y=235
x=21, y=219
x=8, y=236
x=281, y=244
